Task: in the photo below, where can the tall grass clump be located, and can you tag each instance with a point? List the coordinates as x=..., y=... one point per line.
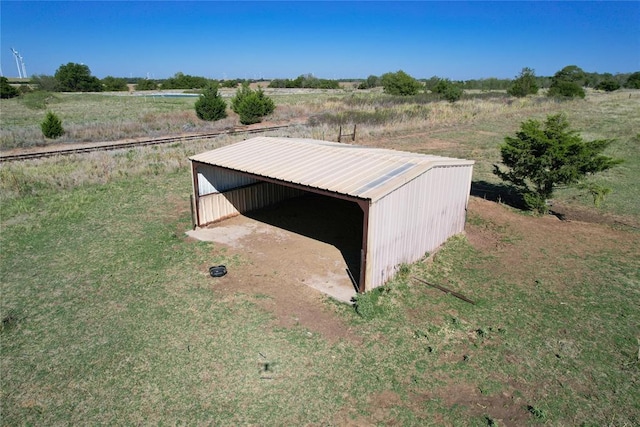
x=39, y=99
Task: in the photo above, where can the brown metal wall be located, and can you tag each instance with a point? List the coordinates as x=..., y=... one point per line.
x=415, y=219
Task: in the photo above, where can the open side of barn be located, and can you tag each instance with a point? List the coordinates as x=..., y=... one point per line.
x=411, y=203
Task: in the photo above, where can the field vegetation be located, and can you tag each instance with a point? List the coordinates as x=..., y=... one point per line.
x=109, y=316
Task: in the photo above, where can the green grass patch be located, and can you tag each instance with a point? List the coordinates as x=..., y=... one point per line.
x=109, y=316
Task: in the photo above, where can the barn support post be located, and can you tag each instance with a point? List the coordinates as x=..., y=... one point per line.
x=196, y=195
x=362, y=284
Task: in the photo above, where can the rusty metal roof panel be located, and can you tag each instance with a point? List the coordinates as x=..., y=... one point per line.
x=353, y=170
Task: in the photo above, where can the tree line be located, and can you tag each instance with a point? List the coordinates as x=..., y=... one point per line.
x=74, y=77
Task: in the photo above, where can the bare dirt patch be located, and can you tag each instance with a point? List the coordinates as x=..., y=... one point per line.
x=293, y=249
x=504, y=409
x=567, y=212
x=522, y=243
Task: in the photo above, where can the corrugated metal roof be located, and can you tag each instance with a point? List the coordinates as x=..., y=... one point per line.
x=353, y=170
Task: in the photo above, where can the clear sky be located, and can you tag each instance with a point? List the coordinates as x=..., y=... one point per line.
x=456, y=40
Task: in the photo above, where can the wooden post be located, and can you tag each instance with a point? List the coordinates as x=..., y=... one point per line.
x=352, y=135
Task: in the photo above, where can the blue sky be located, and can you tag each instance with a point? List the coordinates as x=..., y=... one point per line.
x=456, y=40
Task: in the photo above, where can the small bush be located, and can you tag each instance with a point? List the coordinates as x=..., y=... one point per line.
x=525, y=84
x=568, y=83
x=371, y=82
x=633, y=82
x=251, y=105
x=210, y=106
x=608, y=85
x=6, y=90
x=400, y=83
x=52, y=126
x=368, y=305
x=566, y=89
x=539, y=413
x=146, y=84
x=544, y=155
x=114, y=84
x=448, y=90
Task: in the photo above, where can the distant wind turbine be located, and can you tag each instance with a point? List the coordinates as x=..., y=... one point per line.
x=22, y=71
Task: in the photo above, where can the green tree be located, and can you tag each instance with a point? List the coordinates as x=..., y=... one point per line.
x=608, y=85
x=46, y=83
x=448, y=90
x=146, y=84
x=77, y=78
x=230, y=83
x=371, y=82
x=251, y=105
x=525, y=84
x=568, y=83
x=184, y=81
x=210, y=106
x=400, y=83
x=6, y=90
x=542, y=156
x=430, y=83
x=114, y=84
x=633, y=82
x=52, y=126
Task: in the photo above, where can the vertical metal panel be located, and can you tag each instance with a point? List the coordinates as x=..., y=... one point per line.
x=415, y=219
x=212, y=179
x=216, y=206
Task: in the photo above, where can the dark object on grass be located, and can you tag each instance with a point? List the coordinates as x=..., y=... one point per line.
x=218, y=271
x=443, y=289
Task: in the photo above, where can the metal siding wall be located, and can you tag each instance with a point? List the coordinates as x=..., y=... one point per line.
x=415, y=219
x=217, y=206
x=216, y=180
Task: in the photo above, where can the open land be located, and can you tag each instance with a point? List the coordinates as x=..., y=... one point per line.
x=109, y=315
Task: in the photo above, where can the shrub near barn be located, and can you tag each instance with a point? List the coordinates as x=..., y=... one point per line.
x=542, y=156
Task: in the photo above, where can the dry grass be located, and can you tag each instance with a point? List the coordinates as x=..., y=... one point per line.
x=95, y=118
x=472, y=128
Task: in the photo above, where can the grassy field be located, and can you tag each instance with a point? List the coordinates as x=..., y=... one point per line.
x=109, y=317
